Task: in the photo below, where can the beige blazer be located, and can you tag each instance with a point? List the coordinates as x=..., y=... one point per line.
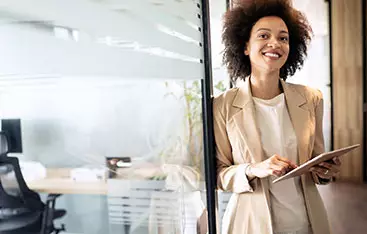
x=238, y=144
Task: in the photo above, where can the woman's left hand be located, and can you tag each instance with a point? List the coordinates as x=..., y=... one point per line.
x=327, y=170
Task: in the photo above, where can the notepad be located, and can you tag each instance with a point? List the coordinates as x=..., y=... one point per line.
x=304, y=168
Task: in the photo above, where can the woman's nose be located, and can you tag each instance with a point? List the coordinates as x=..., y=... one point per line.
x=273, y=43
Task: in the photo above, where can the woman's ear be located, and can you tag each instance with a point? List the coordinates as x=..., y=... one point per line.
x=246, y=50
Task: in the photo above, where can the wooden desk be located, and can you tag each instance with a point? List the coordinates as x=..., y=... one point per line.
x=58, y=181
x=67, y=186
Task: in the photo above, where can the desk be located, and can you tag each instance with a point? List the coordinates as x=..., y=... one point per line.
x=58, y=181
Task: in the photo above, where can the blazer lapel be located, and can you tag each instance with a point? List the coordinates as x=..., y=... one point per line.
x=299, y=115
x=245, y=121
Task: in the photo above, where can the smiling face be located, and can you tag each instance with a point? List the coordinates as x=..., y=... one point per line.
x=268, y=47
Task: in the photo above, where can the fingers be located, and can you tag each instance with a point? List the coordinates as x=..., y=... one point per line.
x=332, y=167
x=280, y=168
x=319, y=170
x=275, y=165
x=277, y=170
x=274, y=172
x=285, y=160
x=280, y=165
x=326, y=170
x=322, y=172
x=337, y=161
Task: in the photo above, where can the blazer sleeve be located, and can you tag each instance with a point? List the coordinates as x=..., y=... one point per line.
x=230, y=177
x=319, y=146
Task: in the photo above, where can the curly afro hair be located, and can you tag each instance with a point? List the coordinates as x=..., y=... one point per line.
x=237, y=26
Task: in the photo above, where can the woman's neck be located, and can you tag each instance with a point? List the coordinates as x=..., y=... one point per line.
x=265, y=86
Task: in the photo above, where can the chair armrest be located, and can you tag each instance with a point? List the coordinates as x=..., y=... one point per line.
x=48, y=212
x=52, y=198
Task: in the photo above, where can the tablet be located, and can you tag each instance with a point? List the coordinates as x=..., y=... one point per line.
x=304, y=168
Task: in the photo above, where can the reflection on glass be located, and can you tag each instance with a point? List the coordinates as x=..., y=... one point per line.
x=110, y=110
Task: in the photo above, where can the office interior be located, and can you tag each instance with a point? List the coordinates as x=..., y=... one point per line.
x=101, y=105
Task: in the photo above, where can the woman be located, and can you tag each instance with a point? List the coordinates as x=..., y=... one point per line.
x=265, y=127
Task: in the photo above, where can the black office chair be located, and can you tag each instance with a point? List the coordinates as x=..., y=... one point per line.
x=21, y=209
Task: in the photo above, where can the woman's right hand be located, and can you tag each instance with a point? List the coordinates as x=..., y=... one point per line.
x=275, y=165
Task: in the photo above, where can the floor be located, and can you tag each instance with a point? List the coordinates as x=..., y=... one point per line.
x=346, y=204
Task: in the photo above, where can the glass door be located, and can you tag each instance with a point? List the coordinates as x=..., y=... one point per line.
x=109, y=98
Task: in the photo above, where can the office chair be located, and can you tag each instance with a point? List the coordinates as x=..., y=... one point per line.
x=21, y=209
x=4, y=143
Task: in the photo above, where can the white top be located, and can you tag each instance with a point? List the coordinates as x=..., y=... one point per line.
x=278, y=137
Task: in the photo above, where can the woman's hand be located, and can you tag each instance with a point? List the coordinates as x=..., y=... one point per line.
x=275, y=165
x=327, y=170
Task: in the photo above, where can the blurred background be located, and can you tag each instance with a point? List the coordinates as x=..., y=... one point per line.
x=102, y=100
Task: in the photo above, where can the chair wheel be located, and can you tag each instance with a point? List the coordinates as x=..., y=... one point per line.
x=58, y=230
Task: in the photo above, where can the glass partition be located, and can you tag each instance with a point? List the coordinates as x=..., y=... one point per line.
x=109, y=97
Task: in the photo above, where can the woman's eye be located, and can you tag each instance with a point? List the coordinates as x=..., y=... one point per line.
x=263, y=36
x=284, y=38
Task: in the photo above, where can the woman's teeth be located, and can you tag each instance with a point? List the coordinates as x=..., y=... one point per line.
x=273, y=55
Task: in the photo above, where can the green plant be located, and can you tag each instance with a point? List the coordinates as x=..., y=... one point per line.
x=192, y=142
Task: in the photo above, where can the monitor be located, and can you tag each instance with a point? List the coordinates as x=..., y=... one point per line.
x=12, y=127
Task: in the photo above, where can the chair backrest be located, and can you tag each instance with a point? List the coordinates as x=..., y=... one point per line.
x=14, y=192
x=145, y=203
x=4, y=143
